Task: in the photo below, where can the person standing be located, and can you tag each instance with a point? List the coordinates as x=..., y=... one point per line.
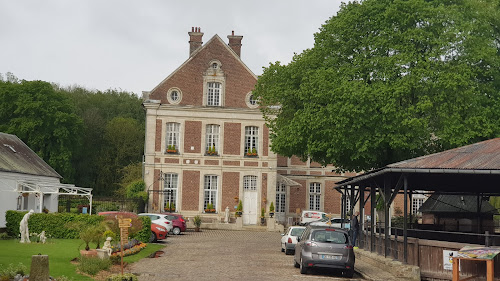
x=354, y=228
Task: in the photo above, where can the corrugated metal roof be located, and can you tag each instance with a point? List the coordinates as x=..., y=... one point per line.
x=17, y=157
x=440, y=203
x=479, y=156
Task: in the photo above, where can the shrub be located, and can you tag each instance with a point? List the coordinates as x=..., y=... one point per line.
x=54, y=224
x=63, y=278
x=197, y=221
x=109, y=233
x=12, y=270
x=271, y=207
x=92, y=265
x=137, y=190
x=144, y=234
x=119, y=277
x=4, y=236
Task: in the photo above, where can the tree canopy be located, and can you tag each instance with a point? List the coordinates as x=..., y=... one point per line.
x=388, y=80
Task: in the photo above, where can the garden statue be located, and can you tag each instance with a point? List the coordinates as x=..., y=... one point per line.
x=107, y=245
x=226, y=218
x=23, y=228
x=43, y=238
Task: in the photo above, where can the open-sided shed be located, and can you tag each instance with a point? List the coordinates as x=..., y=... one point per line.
x=469, y=170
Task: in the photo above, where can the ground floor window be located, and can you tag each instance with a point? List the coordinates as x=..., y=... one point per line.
x=280, y=197
x=210, y=191
x=170, y=192
x=315, y=196
x=417, y=201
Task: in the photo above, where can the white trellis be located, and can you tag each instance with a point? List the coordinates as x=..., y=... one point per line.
x=42, y=188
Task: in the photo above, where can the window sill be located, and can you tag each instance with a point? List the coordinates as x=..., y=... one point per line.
x=251, y=156
x=171, y=152
x=212, y=155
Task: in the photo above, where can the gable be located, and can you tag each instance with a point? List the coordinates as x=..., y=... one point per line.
x=189, y=77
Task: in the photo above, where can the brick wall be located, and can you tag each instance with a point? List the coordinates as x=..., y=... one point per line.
x=297, y=162
x=332, y=203
x=265, y=142
x=230, y=189
x=189, y=79
x=158, y=135
x=282, y=161
x=156, y=188
x=264, y=191
x=297, y=196
x=190, y=190
x=192, y=137
x=232, y=138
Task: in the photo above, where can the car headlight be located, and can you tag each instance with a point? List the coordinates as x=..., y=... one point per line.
x=161, y=229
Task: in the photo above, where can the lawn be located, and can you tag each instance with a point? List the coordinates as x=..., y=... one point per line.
x=60, y=252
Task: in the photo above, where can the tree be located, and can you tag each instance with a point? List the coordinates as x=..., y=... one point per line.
x=388, y=80
x=44, y=119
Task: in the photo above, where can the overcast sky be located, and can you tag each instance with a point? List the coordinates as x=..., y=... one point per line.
x=134, y=45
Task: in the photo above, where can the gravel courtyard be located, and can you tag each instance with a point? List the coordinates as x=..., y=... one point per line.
x=224, y=255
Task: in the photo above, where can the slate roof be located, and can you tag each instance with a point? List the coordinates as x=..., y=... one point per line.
x=17, y=157
x=439, y=203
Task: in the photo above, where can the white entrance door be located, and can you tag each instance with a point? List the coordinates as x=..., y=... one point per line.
x=250, y=207
x=249, y=200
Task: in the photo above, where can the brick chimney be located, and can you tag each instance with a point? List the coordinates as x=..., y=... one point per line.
x=235, y=43
x=195, y=37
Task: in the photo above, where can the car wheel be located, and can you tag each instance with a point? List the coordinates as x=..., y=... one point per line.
x=282, y=250
x=303, y=269
x=349, y=273
x=176, y=231
x=152, y=239
x=296, y=264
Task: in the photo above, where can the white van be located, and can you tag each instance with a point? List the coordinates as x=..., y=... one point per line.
x=309, y=216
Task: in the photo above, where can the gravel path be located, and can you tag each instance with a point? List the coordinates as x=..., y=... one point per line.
x=224, y=255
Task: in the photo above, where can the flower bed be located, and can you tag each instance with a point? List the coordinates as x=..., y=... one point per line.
x=130, y=251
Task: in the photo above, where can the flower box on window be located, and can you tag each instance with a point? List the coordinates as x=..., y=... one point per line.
x=209, y=210
x=212, y=151
x=171, y=149
x=252, y=153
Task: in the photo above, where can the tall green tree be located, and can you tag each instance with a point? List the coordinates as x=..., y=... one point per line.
x=388, y=80
x=44, y=119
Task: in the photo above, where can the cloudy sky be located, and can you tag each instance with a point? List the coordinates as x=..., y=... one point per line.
x=134, y=45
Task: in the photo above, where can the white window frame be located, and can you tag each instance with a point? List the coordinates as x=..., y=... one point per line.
x=210, y=188
x=171, y=183
x=172, y=136
x=212, y=137
x=280, y=197
x=251, y=139
x=315, y=196
x=250, y=183
x=214, y=93
x=416, y=202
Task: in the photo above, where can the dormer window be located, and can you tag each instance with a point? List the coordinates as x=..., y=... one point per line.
x=214, y=82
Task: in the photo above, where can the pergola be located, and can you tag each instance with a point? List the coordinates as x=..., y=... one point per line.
x=469, y=170
x=41, y=188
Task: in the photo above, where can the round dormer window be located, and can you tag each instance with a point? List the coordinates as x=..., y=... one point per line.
x=251, y=101
x=174, y=95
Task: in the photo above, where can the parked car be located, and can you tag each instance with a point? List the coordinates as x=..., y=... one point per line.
x=178, y=223
x=158, y=232
x=160, y=219
x=310, y=216
x=326, y=247
x=335, y=222
x=289, y=238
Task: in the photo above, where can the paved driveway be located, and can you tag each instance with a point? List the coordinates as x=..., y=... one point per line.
x=225, y=255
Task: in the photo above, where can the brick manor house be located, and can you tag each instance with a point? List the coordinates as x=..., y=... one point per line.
x=207, y=144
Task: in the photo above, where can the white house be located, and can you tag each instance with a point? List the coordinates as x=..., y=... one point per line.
x=27, y=182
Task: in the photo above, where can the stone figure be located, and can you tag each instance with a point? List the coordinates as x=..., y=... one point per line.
x=23, y=227
x=226, y=217
x=42, y=236
x=107, y=245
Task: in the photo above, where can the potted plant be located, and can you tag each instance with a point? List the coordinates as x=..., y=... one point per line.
x=271, y=209
x=210, y=208
x=236, y=199
x=239, y=209
x=262, y=216
x=169, y=207
x=197, y=223
x=171, y=149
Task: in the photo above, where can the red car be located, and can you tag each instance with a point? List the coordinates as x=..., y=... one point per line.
x=178, y=223
x=158, y=232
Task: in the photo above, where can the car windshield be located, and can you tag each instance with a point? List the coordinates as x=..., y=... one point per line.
x=327, y=236
x=297, y=231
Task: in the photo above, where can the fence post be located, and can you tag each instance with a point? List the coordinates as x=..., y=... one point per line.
x=487, y=238
x=395, y=255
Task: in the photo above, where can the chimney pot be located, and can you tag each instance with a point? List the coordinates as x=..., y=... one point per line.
x=235, y=43
x=195, y=39
x=192, y=29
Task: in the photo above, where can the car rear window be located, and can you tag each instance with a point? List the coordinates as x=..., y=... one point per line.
x=171, y=218
x=326, y=236
x=297, y=231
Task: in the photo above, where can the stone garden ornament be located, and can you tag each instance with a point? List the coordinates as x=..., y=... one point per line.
x=43, y=238
x=226, y=218
x=23, y=227
x=107, y=245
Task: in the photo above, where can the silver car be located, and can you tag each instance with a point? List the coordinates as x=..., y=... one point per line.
x=327, y=247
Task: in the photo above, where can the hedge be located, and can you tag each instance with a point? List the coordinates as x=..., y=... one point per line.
x=54, y=224
x=145, y=233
